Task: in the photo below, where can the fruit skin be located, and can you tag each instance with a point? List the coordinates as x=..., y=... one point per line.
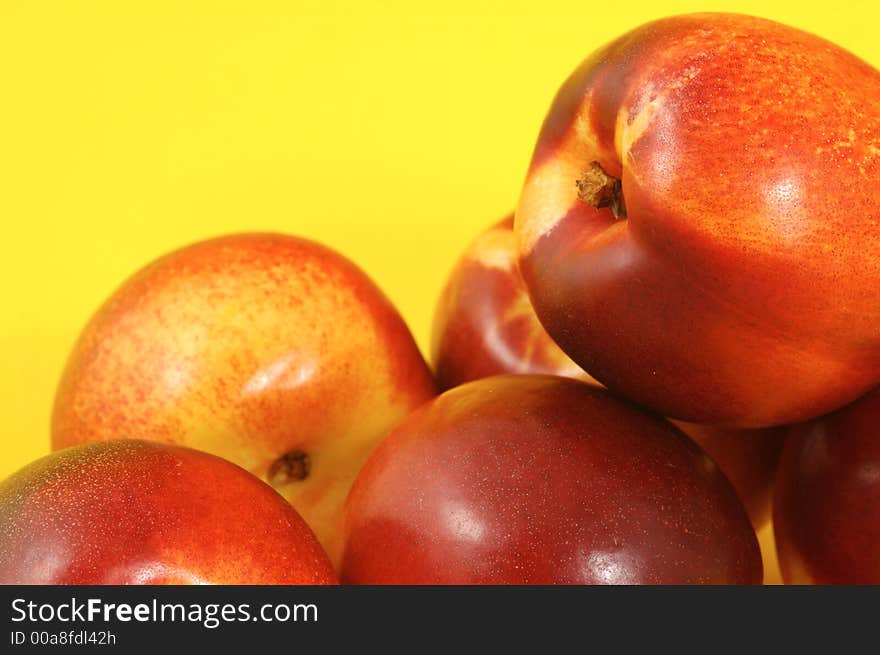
x=485, y=325
x=826, y=510
x=139, y=512
x=250, y=347
x=745, y=274
x=542, y=480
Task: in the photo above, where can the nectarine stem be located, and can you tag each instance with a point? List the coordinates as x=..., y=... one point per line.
x=598, y=189
x=289, y=468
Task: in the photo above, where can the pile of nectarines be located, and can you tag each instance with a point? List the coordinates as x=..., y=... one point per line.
x=674, y=337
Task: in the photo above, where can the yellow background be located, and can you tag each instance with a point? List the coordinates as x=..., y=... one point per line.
x=391, y=131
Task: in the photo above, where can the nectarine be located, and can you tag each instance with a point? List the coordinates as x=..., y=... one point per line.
x=826, y=511
x=272, y=351
x=543, y=480
x=139, y=512
x=698, y=226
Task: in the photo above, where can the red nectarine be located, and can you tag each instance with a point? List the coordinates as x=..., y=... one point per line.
x=826, y=511
x=698, y=226
x=139, y=512
x=542, y=480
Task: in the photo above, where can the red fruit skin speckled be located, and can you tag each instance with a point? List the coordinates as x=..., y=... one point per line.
x=543, y=480
x=272, y=351
x=739, y=287
x=138, y=512
x=485, y=325
x=826, y=511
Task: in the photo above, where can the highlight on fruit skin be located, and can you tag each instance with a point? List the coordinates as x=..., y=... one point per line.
x=272, y=351
x=543, y=480
x=743, y=272
x=484, y=325
x=826, y=511
x=140, y=512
